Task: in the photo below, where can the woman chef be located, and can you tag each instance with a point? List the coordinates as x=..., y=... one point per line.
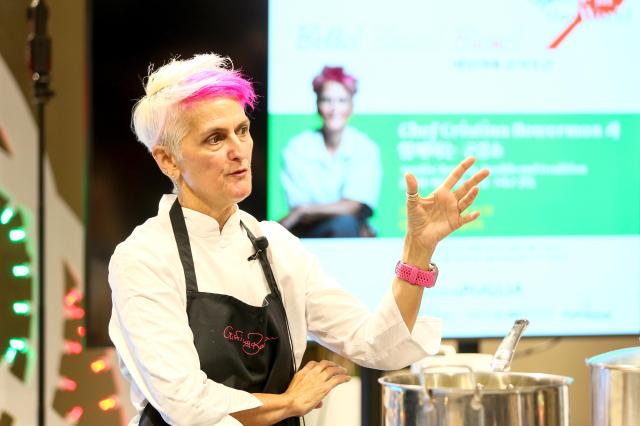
x=212, y=308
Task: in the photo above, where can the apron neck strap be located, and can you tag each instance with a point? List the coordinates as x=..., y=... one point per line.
x=186, y=258
x=261, y=254
x=184, y=247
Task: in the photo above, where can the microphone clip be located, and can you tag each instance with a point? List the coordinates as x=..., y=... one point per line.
x=255, y=255
x=260, y=244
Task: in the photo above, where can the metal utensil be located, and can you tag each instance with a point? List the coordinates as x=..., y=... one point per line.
x=498, y=399
x=502, y=358
x=615, y=387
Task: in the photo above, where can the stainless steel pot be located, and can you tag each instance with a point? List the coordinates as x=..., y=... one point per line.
x=456, y=398
x=615, y=388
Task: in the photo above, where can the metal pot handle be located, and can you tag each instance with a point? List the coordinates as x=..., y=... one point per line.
x=476, y=401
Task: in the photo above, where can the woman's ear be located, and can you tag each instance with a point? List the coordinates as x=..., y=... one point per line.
x=166, y=162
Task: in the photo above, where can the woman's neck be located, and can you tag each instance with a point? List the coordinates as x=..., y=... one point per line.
x=332, y=139
x=220, y=214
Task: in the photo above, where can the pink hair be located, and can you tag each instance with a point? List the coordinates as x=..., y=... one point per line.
x=158, y=117
x=222, y=83
x=335, y=74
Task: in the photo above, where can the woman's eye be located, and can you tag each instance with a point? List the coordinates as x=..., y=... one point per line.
x=243, y=130
x=214, y=139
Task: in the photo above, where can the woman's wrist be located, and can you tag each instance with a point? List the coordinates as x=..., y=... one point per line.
x=288, y=405
x=417, y=254
x=275, y=407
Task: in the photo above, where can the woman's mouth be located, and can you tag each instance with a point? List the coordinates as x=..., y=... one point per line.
x=240, y=173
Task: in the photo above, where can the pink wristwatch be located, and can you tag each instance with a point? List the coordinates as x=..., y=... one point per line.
x=417, y=276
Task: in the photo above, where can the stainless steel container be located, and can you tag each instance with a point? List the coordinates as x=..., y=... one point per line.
x=455, y=398
x=615, y=388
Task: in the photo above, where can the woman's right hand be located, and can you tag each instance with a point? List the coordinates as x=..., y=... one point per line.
x=312, y=383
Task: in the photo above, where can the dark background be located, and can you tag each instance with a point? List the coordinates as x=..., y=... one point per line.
x=124, y=184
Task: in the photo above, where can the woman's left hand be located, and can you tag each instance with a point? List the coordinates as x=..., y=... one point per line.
x=430, y=219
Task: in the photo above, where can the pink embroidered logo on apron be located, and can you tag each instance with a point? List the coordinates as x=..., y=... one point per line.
x=252, y=343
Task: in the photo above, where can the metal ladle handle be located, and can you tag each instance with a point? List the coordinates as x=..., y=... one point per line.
x=504, y=355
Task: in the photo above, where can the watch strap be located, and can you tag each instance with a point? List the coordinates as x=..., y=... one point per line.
x=416, y=276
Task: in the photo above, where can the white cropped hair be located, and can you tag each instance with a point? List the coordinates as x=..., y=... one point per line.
x=157, y=117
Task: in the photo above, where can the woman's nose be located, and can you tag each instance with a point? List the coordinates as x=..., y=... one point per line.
x=236, y=148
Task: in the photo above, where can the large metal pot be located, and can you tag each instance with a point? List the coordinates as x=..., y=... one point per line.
x=456, y=398
x=615, y=388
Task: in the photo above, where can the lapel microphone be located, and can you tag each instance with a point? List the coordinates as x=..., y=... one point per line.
x=260, y=244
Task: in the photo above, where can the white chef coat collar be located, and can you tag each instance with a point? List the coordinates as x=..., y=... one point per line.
x=199, y=223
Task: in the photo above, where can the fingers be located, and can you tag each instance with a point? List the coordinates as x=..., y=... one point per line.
x=464, y=203
x=334, y=371
x=319, y=366
x=468, y=199
x=412, y=185
x=450, y=182
x=458, y=172
x=472, y=182
x=467, y=218
x=313, y=382
x=337, y=380
x=340, y=378
x=325, y=369
x=308, y=366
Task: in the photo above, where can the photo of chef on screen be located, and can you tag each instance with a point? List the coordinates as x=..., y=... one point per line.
x=331, y=176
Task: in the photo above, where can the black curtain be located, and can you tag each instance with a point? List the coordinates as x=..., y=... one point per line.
x=123, y=182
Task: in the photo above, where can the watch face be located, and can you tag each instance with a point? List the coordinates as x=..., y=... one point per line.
x=434, y=268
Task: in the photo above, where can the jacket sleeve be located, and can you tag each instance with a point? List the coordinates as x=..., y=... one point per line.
x=378, y=340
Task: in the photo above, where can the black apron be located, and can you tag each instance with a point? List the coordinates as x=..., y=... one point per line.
x=239, y=345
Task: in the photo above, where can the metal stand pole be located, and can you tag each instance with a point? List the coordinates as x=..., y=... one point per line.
x=371, y=397
x=39, y=51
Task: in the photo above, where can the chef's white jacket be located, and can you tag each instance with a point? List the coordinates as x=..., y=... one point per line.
x=150, y=330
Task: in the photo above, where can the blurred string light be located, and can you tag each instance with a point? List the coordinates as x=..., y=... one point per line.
x=21, y=271
x=76, y=398
x=19, y=344
x=77, y=389
x=68, y=385
x=73, y=347
x=17, y=235
x=74, y=312
x=6, y=215
x=10, y=355
x=98, y=366
x=22, y=307
x=75, y=413
x=108, y=404
x=15, y=252
x=72, y=297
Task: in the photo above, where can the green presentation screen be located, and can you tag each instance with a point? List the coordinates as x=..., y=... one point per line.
x=553, y=110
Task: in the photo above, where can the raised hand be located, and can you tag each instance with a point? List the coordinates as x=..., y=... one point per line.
x=430, y=219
